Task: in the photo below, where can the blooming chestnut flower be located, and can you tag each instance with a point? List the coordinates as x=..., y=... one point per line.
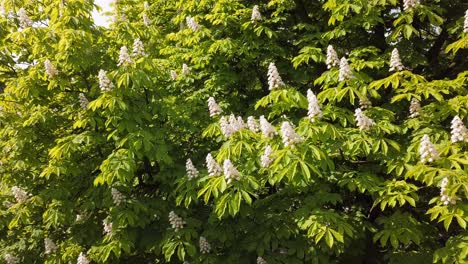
x=174, y=75
x=82, y=259
x=146, y=20
x=107, y=226
x=274, y=79
x=314, y=111
x=214, y=169
x=20, y=194
x=256, y=15
x=266, y=158
x=345, y=72
x=177, y=223
x=267, y=129
x=415, y=108
x=185, y=69
x=50, y=246
x=364, y=103
x=124, y=57
x=230, y=172
x=444, y=197
x=407, y=4
x=192, y=172
x=427, y=150
x=24, y=19
x=363, y=122
x=332, y=57
x=192, y=24
x=252, y=124
x=213, y=107
x=289, y=136
x=459, y=132
x=205, y=247
x=465, y=25
x=104, y=83
x=260, y=260
x=138, y=48
x=50, y=69
x=11, y=259
x=117, y=197
x=83, y=100
x=395, y=61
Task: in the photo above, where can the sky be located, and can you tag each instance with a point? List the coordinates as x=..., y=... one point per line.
x=99, y=18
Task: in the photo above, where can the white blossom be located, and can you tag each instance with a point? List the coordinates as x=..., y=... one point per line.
x=364, y=103
x=174, y=75
x=252, y=124
x=117, y=197
x=176, y=221
x=444, y=197
x=192, y=172
x=459, y=132
x=19, y=194
x=230, y=172
x=138, y=48
x=256, y=15
x=10, y=259
x=332, y=57
x=266, y=158
x=24, y=19
x=50, y=69
x=214, y=169
x=83, y=100
x=465, y=25
x=192, y=24
x=104, y=83
x=395, y=61
x=345, y=71
x=427, y=150
x=238, y=124
x=205, y=247
x=274, y=79
x=260, y=260
x=267, y=129
x=213, y=107
x=124, y=57
x=362, y=121
x=226, y=128
x=314, y=108
x=50, y=246
x=146, y=20
x=415, y=108
x=289, y=136
x=82, y=259
x=146, y=5
x=407, y=4
x=185, y=69
x=107, y=226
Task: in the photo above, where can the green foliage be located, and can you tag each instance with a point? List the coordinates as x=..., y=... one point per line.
x=339, y=193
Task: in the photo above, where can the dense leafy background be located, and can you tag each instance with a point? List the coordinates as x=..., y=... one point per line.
x=340, y=196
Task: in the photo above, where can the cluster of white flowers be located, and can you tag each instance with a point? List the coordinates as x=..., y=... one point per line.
x=363, y=122
x=174, y=75
x=266, y=158
x=289, y=136
x=124, y=57
x=50, y=69
x=267, y=129
x=107, y=226
x=192, y=24
x=176, y=221
x=332, y=57
x=415, y=108
x=260, y=260
x=117, y=197
x=314, y=109
x=205, y=247
x=83, y=100
x=19, y=194
x=213, y=107
x=233, y=125
x=345, y=72
x=230, y=172
x=444, y=197
x=274, y=79
x=185, y=69
x=427, y=150
x=10, y=259
x=24, y=19
x=407, y=4
x=146, y=5
x=459, y=132
x=465, y=25
x=50, y=246
x=395, y=61
x=138, y=48
x=214, y=169
x=104, y=83
x=256, y=15
x=252, y=124
x=192, y=172
x=364, y=103
x=146, y=20
x=82, y=259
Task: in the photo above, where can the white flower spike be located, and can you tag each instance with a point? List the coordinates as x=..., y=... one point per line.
x=104, y=83
x=213, y=107
x=192, y=172
x=459, y=132
x=363, y=122
x=252, y=124
x=124, y=57
x=314, y=112
x=415, y=108
x=267, y=129
x=24, y=19
x=256, y=15
x=82, y=259
x=205, y=247
x=274, y=79
x=345, y=71
x=266, y=158
x=407, y=4
x=177, y=223
x=192, y=24
x=138, y=48
x=332, y=57
x=50, y=69
x=230, y=172
x=395, y=61
x=289, y=136
x=214, y=169
x=427, y=150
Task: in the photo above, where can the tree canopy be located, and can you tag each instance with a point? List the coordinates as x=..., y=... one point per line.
x=228, y=131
